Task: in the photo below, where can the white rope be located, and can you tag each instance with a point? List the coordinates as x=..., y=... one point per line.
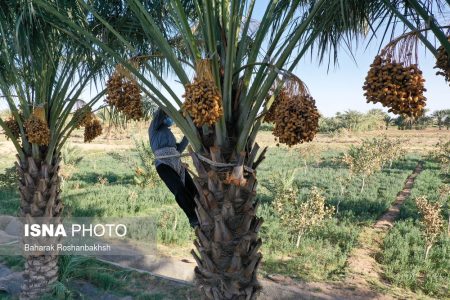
x=223, y=165
x=170, y=156
x=207, y=160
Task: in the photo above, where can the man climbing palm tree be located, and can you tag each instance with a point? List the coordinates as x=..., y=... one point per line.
x=168, y=163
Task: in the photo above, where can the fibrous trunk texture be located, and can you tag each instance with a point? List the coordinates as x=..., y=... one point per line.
x=39, y=186
x=227, y=239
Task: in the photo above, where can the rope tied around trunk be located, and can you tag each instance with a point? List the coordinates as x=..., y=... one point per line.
x=170, y=156
x=223, y=165
x=208, y=161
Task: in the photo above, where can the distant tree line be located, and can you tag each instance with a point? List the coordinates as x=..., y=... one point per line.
x=376, y=119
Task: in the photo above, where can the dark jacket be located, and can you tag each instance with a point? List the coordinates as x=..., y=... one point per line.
x=161, y=136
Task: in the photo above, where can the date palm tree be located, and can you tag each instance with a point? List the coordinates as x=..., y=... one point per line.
x=42, y=74
x=245, y=61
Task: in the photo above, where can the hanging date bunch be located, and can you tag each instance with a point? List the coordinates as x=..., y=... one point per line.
x=13, y=126
x=124, y=94
x=36, y=127
x=443, y=63
x=92, y=130
x=203, y=101
x=395, y=85
x=83, y=116
x=296, y=116
x=283, y=95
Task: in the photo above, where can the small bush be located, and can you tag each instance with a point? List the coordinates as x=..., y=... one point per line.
x=173, y=227
x=372, y=155
x=70, y=159
x=299, y=217
x=145, y=172
x=9, y=178
x=266, y=127
x=431, y=221
x=441, y=154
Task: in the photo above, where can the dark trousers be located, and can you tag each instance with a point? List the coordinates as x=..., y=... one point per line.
x=184, y=194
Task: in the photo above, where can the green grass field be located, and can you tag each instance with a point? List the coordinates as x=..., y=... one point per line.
x=102, y=184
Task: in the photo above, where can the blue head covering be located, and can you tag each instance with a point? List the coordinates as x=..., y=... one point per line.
x=161, y=136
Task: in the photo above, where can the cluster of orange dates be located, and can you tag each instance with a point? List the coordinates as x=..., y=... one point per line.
x=396, y=86
x=124, y=94
x=296, y=120
x=443, y=63
x=84, y=117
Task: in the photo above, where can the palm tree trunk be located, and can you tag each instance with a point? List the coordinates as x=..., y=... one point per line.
x=40, y=272
x=39, y=186
x=227, y=238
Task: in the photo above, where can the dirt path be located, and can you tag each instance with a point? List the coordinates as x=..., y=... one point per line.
x=363, y=270
x=362, y=260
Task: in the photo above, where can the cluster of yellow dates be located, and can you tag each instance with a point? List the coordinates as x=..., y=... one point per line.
x=12, y=125
x=92, y=130
x=296, y=120
x=203, y=102
x=294, y=113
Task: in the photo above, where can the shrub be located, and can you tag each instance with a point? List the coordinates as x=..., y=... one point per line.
x=299, y=217
x=404, y=263
x=372, y=155
x=9, y=179
x=266, y=127
x=145, y=171
x=441, y=154
x=431, y=221
x=362, y=161
x=310, y=153
x=71, y=157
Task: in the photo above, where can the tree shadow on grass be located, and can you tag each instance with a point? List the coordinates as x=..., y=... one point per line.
x=73, y=209
x=91, y=211
x=93, y=178
x=445, y=177
x=335, y=163
x=9, y=201
x=407, y=164
x=359, y=210
x=307, y=185
x=264, y=199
